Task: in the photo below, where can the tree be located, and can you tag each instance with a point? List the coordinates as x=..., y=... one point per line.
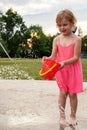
x=13, y=29
x=0, y=22
x=84, y=44
x=2, y=43
x=16, y=36
x=41, y=44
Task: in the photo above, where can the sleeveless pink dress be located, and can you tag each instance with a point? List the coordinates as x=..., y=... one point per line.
x=70, y=78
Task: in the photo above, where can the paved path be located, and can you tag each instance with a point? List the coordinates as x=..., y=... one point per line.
x=32, y=105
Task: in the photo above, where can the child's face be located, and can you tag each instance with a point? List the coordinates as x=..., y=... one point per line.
x=65, y=27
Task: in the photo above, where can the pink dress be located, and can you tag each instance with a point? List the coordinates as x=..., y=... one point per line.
x=70, y=78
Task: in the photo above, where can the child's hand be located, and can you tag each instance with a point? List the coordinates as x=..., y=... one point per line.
x=43, y=58
x=62, y=65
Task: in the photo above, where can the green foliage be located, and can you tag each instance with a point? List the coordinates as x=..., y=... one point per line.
x=84, y=44
x=41, y=44
x=11, y=20
x=12, y=31
x=2, y=53
x=0, y=22
x=37, y=29
x=15, y=33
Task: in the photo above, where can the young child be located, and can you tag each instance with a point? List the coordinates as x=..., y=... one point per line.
x=66, y=50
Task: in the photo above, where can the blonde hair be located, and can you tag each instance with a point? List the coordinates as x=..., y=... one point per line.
x=67, y=14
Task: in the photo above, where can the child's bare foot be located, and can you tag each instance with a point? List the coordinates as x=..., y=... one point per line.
x=73, y=122
x=63, y=122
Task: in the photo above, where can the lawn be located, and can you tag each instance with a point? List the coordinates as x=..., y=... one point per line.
x=26, y=68
x=84, y=65
x=20, y=68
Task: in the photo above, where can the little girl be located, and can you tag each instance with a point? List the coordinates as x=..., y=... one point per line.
x=66, y=50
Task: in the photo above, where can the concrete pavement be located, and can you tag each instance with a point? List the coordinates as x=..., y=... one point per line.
x=32, y=105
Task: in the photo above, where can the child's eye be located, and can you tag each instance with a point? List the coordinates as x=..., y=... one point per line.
x=64, y=24
x=59, y=25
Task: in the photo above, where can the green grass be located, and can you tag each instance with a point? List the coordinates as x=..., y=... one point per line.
x=26, y=68
x=84, y=65
x=20, y=68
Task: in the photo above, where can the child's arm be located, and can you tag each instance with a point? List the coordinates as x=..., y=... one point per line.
x=54, y=49
x=77, y=51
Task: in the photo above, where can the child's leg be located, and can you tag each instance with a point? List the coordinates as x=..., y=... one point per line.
x=73, y=103
x=61, y=104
